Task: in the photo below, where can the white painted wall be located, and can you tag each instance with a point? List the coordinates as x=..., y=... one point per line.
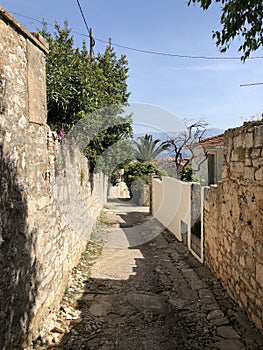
x=171, y=204
x=119, y=191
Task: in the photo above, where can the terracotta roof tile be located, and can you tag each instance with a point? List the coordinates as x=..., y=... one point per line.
x=215, y=141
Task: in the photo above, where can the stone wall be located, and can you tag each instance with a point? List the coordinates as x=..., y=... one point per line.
x=40, y=200
x=233, y=220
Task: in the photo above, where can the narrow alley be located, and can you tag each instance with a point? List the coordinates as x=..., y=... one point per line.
x=154, y=296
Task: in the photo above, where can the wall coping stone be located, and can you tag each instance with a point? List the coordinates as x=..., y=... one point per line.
x=35, y=38
x=245, y=125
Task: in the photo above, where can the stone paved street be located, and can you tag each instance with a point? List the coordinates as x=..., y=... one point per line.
x=154, y=296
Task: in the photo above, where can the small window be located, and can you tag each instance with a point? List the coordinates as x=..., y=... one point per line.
x=211, y=169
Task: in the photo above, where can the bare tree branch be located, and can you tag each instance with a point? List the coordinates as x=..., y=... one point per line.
x=186, y=141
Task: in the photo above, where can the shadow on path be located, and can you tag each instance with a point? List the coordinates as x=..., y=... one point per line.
x=133, y=226
x=155, y=296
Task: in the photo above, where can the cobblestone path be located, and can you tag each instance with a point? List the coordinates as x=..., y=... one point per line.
x=155, y=296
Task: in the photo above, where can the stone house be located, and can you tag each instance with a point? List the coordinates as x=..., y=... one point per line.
x=207, y=159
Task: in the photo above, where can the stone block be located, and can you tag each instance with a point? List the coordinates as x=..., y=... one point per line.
x=244, y=299
x=239, y=138
x=259, y=249
x=259, y=274
x=250, y=264
x=36, y=84
x=256, y=163
x=248, y=162
x=252, y=281
x=225, y=174
x=259, y=174
x=247, y=237
x=239, y=154
x=258, y=136
x=242, y=261
x=227, y=332
x=215, y=314
x=249, y=141
x=234, y=156
x=237, y=168
x=229, y=344
x=259, y=304
x=249, y=173
x=255, y=153
x=100, y=309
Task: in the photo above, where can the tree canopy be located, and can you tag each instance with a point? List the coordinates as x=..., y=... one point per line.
x=239, y=18
x=136, y=174
x=78, y=87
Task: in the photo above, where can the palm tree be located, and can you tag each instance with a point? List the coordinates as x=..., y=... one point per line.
x=147, y=149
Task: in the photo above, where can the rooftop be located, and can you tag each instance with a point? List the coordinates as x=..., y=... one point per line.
x=215, y=141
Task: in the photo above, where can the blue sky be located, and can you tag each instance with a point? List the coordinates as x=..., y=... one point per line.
x=189, y=88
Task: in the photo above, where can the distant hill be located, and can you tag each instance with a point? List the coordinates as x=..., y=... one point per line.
x=162, y=136
x=212, y=132
x=166, y=136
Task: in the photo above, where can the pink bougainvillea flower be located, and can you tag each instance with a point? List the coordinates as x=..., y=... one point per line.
x=61, y=133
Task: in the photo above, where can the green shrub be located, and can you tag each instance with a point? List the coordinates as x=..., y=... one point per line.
x=136, y=175
x=187, y=174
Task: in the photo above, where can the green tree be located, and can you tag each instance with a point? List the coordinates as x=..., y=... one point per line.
x=72, y=80
x=93, y=91
x=114, y=96
x=136, y=174
x=147, y=149
x=115, y=70
x=239, y=18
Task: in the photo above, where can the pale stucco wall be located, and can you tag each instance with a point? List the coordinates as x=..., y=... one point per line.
x=171, y=204
x=177, y=205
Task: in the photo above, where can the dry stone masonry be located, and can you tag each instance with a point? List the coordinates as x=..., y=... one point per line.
x=38, y=246
x=233, y=220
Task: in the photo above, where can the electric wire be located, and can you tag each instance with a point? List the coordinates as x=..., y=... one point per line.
x=157, y=53
x=150, y=52
x=250, y=84
x=83, y=17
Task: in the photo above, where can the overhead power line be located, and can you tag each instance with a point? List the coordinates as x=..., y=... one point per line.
x=157, y=53
x=89, y=30
x=83, y=17
x=145, y=51
x=251, y=84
